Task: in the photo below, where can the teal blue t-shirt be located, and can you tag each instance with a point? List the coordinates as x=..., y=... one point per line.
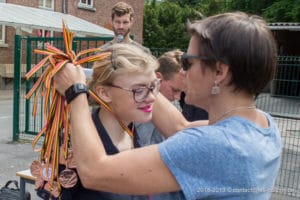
x=233, y=159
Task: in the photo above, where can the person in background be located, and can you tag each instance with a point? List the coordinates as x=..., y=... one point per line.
x=168, y=71
x=190, y=112
x=127, y=84
x=171, y=87
x=230, y=59
x=122, y=19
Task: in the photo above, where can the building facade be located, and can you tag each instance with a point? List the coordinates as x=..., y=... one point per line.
x=94, y=11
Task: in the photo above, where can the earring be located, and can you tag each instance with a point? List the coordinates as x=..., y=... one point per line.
x=215, y=89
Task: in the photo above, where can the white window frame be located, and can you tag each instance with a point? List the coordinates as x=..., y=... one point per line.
x=86, y=4
x=44, y=5
x=2, y=39
x=43, y=31
x=2, y=30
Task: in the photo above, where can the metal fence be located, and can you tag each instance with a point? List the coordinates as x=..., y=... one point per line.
x=287, y=80
x=283, y=103
x=282, y=100
x=23, y=121
x=286, y=112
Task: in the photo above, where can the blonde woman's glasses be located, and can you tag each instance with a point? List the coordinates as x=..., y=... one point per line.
x=141, y=93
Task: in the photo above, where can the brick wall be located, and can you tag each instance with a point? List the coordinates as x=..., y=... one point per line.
x=102, y=15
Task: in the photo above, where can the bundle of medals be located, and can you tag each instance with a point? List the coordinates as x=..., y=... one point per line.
x=56, y=148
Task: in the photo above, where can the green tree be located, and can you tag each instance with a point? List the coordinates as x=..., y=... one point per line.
x=271, y=10
x=248, y=6
x=283, y=11
x=152, y=30
x=165, y=24
x=165, y=21
x=205, y=7
x=182, y=3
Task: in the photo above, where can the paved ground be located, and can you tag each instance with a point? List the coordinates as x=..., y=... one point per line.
x=13, y=156
x=18, y=156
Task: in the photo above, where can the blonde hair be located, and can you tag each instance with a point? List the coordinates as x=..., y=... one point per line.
x=125, y=58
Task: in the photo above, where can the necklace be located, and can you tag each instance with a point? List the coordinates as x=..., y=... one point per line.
x=232, y=110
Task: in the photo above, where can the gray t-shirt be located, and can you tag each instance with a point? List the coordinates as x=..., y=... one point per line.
x=233, y=159
x=148, y=134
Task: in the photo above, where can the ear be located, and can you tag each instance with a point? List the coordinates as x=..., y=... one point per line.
x=159, y=75
x=103, y=93
x=222, y=72
x=132, y=20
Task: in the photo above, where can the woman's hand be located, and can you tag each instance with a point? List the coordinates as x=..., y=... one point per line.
x=68, y=76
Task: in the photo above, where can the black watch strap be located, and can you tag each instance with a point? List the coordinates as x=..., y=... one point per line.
x=74, y=90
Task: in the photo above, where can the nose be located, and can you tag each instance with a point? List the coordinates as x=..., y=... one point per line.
x=150, y=98
x=120, y=25
x=182, y=73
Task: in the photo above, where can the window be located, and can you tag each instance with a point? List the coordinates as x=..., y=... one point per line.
x=86, y=4
x=44, y=34
x=2, y=31
x=2, y=34
x=48, y=4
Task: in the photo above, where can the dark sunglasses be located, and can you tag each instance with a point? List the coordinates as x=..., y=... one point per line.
x=185, y=64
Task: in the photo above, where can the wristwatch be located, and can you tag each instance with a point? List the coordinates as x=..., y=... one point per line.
x=74, y=90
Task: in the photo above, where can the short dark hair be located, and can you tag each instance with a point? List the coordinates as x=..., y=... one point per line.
x=241, y=41
x=120, y=9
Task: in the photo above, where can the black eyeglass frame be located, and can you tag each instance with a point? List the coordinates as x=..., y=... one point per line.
x=185, y=63
x=156, y=84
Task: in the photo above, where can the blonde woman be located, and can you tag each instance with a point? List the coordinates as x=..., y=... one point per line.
x=127, y=84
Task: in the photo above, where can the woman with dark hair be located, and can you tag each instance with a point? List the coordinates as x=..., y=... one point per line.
x=236, y=155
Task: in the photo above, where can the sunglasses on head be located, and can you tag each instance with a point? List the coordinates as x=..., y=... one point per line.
x=185, y=64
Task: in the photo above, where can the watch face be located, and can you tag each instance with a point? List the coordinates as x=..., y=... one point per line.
x=75, y=90
x=80, y=87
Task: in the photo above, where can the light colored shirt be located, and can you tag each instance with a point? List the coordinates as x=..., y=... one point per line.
x=148, y=134
x=233, y=159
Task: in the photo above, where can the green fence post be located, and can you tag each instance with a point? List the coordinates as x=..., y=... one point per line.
x=17, y=78
x=28, y=84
